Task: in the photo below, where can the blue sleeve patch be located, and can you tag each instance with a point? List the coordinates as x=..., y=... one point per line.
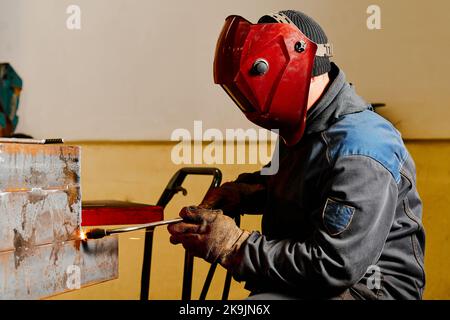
x=337, y=217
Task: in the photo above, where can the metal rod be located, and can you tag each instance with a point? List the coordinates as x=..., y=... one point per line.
x=143, y=226
x=146, y=263
x=207, y=284
x=188, y=271
x=32, y=141
x=227, y=286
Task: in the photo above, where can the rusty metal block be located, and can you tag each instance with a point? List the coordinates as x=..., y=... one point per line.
x=40, y=218
x=37, y=217
x=43, y=271
x=25, y=167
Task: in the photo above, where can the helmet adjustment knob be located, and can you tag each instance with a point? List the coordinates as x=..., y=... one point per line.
x=300, y=46
x=260, y=67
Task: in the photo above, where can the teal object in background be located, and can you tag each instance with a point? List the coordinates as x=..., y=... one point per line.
x=10, y=88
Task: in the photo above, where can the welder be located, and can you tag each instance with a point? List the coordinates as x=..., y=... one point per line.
x=342, y=217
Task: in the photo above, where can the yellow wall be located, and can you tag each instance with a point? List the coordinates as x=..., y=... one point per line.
x=140, y=171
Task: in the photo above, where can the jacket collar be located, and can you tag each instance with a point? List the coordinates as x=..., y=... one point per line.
x=339, y=100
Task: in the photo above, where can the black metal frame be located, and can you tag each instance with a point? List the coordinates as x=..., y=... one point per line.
x=173, y=187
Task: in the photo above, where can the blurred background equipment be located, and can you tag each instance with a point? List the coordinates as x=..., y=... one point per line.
x=10, y=88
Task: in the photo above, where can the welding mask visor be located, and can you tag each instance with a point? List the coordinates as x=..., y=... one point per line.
x=266, y=69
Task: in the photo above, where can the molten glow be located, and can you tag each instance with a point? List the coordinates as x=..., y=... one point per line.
x=82, y=235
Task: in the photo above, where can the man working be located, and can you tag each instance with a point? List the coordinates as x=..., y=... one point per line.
x=342, y=217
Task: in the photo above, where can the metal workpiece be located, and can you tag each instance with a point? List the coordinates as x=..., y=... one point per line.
x=43, y=271
x=38, y=217
x=24, y=167
x=41, y=253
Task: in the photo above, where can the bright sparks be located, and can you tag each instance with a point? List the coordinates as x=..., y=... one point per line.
x=82, y=235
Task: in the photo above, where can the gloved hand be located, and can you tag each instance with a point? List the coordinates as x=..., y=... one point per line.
x=232, y=198
x=208, y=234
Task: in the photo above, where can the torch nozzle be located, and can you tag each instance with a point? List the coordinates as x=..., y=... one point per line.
x=96, y=234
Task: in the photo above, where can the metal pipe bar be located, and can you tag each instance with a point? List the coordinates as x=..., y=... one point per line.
x=143, y=226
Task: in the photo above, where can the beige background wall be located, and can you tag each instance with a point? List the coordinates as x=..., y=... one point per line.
x=140, y=171
x=146, y=66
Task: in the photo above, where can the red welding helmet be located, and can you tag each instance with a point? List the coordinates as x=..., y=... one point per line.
x=266, y=69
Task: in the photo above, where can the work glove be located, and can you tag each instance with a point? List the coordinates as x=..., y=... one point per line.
x=209, y=234
x=233, y=198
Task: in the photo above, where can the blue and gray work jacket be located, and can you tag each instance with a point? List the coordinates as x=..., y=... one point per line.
x=342, y=213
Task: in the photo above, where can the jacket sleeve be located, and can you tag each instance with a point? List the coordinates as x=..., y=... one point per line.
x=252, y=178
x=259, y=178
x=351, y=229
x=254, y=204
